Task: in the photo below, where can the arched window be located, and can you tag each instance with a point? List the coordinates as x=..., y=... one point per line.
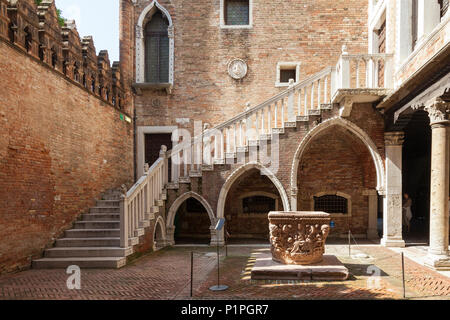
x=331, y=204
x=157, y=49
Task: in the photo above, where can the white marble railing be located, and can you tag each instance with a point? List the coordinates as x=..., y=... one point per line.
x=364, y=71
x=298, y=102
x=136, y=204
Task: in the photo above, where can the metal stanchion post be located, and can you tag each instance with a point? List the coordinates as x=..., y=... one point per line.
x=349, y=244
x=403, y=276
x=192, y=271
x=219, y=287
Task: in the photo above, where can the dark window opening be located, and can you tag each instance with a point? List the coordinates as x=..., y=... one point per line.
x=28, y=39
x=237, y=12
x=93, y=86
x=157, y=49
x=444, y=7
x=287, y=74
x=331, y=204
x=41, y=53
x=76, y=75
x=258, y=204
x=54, y=58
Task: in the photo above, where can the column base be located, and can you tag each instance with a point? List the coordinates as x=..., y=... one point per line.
x=393, y=243
x=215, y=243
x=437, y=262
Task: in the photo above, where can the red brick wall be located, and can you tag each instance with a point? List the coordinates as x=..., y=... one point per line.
x=60, y=148
x=308, y=31
x=336, y=161
x=245, y=225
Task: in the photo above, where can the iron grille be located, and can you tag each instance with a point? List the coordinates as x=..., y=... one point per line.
x=331, y=204
x=237, y=12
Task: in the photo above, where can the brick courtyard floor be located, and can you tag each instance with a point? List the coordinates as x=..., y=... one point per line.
x=165, y=275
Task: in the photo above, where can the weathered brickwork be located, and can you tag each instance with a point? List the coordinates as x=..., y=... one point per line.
x=61, y=145
x=249, y=225
x=350, y=173
x=305, y=31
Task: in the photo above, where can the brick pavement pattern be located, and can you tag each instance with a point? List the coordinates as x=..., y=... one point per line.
x=165, y=275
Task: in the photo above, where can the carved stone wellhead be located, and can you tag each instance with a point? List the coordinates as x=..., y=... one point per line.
x=298, y=237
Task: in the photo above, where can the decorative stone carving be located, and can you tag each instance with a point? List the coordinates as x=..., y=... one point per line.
x=438, y=111
x=394, y=138
x=298, y=237
x=237, y=69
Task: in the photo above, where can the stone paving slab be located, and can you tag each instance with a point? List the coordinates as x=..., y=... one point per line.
x=329, y=269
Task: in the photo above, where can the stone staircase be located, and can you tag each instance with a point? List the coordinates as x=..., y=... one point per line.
x=105, y=237
x=93, y=242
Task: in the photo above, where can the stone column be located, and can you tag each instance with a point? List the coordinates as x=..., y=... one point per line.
x=372, y=228
x=392, y=201
x=170, y=236
x=439, y=216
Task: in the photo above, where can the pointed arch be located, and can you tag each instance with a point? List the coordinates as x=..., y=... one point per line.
x=148, y=11
x=162, y=241
x=353, y=128
x=180, y=200
x=237, y=173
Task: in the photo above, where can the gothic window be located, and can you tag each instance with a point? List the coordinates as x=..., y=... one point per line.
x=237, y=12
x=444, y=4
x=157, y=49
x=258, y=204
x=331, y=204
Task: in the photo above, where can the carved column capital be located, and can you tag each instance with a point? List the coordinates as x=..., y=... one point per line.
x=394, y=138
x=439, y=112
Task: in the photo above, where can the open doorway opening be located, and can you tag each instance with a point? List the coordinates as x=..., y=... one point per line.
x=416, y=175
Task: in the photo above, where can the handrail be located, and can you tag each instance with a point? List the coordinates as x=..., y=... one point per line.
x=297, y=102
x=136, y=204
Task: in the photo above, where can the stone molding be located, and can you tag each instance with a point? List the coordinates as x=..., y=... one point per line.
x=140, y=41
x=353, y=128
x=394, y=138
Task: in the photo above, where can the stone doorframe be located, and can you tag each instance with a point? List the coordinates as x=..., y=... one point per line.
x=353, y=128
x=232, y=179
x=141, y=132
x=170, y=223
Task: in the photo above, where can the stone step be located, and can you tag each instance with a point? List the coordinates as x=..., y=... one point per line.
x=104, y=210
x=92, y=233
x=77, y=252
x=97, y=225
x=88, y=242
x=82, y=262
x=100, y=217
x=108, y=203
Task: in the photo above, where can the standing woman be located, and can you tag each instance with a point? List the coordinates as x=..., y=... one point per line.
x=407, y=213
